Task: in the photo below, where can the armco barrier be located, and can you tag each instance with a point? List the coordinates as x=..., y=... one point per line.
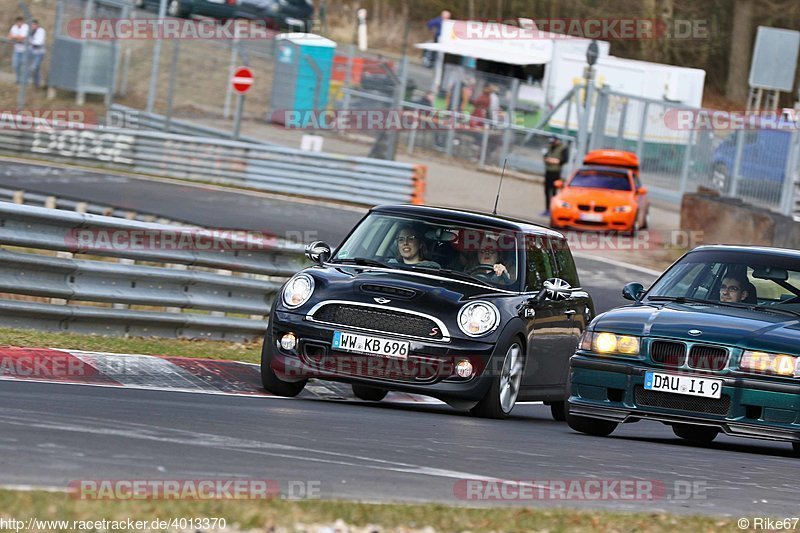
x=255, y=271
x=358, y=180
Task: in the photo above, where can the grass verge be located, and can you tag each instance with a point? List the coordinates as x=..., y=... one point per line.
x=266, y=515
x=235, y=351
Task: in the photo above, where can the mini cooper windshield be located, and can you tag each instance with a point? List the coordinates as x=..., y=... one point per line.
x=488, y=256
x=756, y=281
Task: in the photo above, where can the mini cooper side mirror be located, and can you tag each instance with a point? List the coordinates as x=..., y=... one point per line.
x=633, y=292
x=318, y=251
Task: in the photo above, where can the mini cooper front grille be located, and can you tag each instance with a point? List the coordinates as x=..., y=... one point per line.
x=708, y=357
x=668, y=353
x=379, y=320
x=694, y=404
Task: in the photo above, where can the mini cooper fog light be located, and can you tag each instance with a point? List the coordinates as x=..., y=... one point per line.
x=288, y=342
x=464, y=368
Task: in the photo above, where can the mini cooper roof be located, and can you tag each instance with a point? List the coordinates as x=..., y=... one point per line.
x=457, y=215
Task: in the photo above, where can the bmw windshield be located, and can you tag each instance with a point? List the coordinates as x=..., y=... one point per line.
x=756, y=280
x=483, y=255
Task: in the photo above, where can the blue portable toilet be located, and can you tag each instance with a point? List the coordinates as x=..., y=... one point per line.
x=303, y=66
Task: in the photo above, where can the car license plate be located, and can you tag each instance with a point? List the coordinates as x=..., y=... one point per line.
x=689, y=385
x=591, y=217
x=349, y=342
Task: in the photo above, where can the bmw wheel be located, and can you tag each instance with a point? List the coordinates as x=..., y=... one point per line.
x=695, y=434
x=502, y=394
x=271, y=382
x=369, y=394
x=591, y=426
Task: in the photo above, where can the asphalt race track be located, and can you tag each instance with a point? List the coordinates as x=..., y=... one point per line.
x=53, y=433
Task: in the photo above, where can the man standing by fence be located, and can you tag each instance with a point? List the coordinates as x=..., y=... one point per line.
x=555, y=158
x=37, y=40
x=18, y=35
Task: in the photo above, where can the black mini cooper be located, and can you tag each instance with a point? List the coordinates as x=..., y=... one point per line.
x=476, y=310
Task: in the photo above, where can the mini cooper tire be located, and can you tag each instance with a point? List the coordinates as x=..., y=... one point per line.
x=695, y=434
x=558, y=410
x=369, y=394
x=275, y=385
x=499, y=400
x=591, y=426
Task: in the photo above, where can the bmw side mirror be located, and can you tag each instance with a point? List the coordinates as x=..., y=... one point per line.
x=633, y=292
x=318, y=251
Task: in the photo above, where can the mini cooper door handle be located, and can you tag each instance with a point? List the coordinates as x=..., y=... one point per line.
x=570, y=312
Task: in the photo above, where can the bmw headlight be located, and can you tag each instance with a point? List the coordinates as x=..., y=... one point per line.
x=770, y=363
x=623, y=209
x=478, y=318
x=564, y=205
x=609, y=343
x=298, y=290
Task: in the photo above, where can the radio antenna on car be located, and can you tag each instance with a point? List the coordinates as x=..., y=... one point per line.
x=497, y=198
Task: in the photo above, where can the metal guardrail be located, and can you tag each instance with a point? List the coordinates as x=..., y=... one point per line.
x=154, y=121
x=260, y=266
x=358, y=180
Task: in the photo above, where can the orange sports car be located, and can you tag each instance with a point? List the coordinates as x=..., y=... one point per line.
x=604, y=194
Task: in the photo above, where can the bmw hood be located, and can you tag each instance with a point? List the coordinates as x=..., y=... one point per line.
x=745, y=328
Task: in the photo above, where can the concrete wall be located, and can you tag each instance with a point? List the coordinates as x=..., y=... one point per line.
x=730, y=221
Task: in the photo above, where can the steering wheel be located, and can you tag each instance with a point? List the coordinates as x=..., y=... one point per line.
x=482, y=269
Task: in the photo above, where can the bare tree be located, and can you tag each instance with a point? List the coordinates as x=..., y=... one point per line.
x=741, y=47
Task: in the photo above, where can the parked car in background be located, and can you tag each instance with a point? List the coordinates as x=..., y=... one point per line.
x=289, y=15
x=713, y=346
x=220, y=9
x=477, y=310
x=604, y=194
x=763, y=162
x=280, y=15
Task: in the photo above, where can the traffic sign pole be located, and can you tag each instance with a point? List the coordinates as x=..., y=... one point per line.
x=237, y=118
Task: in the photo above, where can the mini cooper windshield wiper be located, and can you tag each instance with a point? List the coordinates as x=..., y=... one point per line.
x=454, y=273
x=680, y=300
x=361, y=261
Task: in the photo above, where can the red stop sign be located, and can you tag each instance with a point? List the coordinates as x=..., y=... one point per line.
x=242, y=80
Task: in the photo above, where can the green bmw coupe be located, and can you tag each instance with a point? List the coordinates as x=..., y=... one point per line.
x=713, y=345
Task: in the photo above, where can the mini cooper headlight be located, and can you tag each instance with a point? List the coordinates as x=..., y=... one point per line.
x=298, y=290
x=610, y=343
x=478, y=318
x=770, y=363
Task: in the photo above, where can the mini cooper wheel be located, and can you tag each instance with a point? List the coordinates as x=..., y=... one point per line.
x=370, y=394
x=591, y=426
x=272, y=383
x=502, y=394
x=558, y=410
x=696, y=434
